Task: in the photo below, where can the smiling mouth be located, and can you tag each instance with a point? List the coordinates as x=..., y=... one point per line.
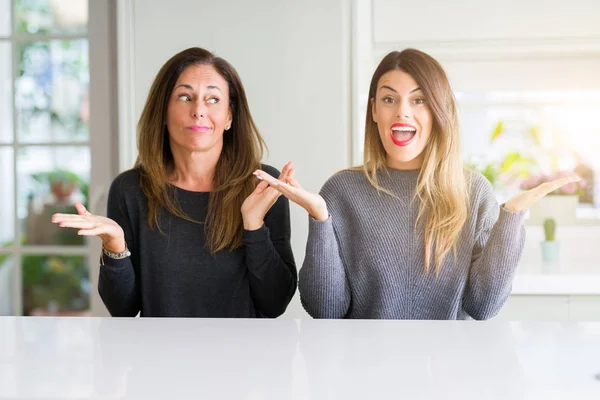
x=403, y=135
x=198, y=129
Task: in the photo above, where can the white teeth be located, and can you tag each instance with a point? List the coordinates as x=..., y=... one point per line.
x=403, y=129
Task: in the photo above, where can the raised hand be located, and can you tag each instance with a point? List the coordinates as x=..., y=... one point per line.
x=523, y=201
x=313, y=203
x=113, y=238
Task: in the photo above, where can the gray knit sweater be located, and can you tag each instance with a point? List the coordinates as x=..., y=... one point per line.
x=367, y=259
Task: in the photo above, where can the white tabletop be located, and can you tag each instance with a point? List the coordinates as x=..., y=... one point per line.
x=63, y=358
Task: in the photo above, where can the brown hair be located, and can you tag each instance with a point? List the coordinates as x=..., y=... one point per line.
x=441, y=188
x=243, y=148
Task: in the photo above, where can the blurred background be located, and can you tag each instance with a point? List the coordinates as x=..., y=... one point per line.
x=74, y=75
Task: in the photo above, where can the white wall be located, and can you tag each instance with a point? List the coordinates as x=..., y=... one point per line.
x=103, y=121
x=294, y=60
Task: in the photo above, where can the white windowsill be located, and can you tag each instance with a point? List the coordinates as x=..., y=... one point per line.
x=541, y=279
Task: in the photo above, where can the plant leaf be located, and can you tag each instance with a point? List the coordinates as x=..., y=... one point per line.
x=535, y=133
x=497, y=130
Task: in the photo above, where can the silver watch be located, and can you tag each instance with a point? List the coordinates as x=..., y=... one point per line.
x=117, y=256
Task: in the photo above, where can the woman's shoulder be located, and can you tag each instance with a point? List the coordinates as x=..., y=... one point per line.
x=130, y=177
x=127, y=182
x=344, y=181
x=478, y=183
x=480, y=188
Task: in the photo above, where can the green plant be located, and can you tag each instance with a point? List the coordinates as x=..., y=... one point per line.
x=84, y=188
x=512, y=166
x=489, y=171
x=550, y=229
x=4, y=257
x=64, y=176
x=61, y=182
x=61, y=281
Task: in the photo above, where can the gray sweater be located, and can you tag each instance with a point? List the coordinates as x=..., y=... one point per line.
x=367, y=259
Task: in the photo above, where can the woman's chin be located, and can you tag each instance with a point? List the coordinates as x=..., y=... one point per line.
x=404, y=159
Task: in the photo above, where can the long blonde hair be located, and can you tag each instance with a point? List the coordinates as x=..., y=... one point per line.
x=242, y=151
x=442, y=183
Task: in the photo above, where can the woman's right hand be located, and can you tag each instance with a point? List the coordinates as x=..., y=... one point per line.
x=113, y=238
x=313, y=203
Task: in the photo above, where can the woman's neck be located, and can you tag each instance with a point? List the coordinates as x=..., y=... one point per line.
x=194, y=171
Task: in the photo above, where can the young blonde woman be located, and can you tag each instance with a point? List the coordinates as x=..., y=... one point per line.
x=189, y=232
x=410, y=234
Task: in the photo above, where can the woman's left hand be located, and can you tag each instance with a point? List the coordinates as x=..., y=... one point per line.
x=523, y=201
x=256, y=205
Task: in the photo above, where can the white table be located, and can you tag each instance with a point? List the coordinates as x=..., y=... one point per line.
x=63, y=358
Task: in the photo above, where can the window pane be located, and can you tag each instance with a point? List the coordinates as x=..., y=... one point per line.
x=7, y=208
x=511, y=136
x=49, y=181
x=6, y=284
x=6, y=126
x=51, y=16
x=55, y=285
x=4, y=17
x=52, y=91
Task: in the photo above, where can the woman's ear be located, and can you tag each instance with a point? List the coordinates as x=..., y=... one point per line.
x=229, y=120
x=373, y=110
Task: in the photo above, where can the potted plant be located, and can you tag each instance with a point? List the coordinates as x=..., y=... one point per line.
x=560, y=205
x=550, y=245
x=55, y=285
x=61, y=182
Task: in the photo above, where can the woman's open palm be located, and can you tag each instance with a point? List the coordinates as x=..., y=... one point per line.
x=313, y=203
x=523, y=201
x=113, y=238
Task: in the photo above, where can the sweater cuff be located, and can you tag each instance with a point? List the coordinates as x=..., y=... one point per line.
x=510, y=219
x=320, y=227
x=256, y=236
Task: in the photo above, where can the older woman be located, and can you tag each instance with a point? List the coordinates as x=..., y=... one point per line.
x=189, y=232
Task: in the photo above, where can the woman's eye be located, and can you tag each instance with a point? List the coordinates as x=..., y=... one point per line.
x=419, y=101
x=388, y=100
x=184, y=97
x=213, y=100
